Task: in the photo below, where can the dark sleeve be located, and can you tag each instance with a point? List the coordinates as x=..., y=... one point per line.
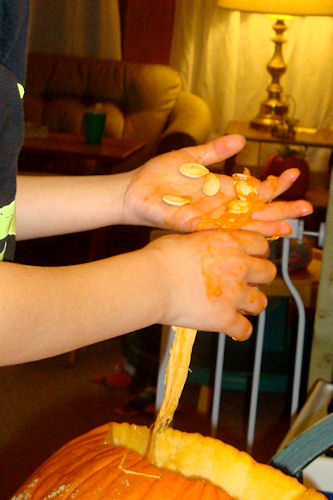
x=14, y=23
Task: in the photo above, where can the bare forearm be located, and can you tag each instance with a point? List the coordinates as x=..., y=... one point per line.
x=51, y=205
x=48, y=311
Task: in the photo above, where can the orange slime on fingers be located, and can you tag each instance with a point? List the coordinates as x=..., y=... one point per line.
x=274, y=184
x=239, y=210
x=210, y=273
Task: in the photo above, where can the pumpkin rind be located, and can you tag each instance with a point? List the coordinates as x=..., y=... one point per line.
x=228, y=468
x=88, y=468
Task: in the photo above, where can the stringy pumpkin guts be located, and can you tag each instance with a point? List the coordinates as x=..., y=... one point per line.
x=176, y=375
x=237, y=212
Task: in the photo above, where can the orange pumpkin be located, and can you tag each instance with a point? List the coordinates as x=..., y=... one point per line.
x=93, y=467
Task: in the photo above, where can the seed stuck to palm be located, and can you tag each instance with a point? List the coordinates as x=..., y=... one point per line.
x=211, y=185
x=193, y=170
x=243, y=189
x=175, y=200
x=238, y=206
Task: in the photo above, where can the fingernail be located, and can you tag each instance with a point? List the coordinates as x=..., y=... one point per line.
x=235, y=140
x=286, y=228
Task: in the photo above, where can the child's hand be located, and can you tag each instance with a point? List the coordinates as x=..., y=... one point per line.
x=209, y=279
x=143, y=202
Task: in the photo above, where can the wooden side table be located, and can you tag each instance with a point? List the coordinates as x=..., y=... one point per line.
x=320, y=138
x=68, y=148
x=59, y=153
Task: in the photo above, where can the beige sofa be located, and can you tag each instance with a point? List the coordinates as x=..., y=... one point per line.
x=143, y=101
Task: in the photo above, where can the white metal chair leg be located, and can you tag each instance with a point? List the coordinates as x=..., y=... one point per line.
x=217, y=383
x=300, y=327
x=255, y=382
x=168, y=335
x=260, y=339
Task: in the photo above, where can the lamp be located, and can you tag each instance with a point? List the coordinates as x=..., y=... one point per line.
x=274, y=110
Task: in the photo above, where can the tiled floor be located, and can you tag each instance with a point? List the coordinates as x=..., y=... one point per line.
x=45, y=404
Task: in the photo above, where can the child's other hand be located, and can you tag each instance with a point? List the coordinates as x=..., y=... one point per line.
x=209, y=279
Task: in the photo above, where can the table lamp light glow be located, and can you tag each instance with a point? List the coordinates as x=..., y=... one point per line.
x=274, y=110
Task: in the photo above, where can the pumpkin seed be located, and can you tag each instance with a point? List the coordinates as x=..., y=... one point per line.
x=177, y=201
x=238, y=206
x=193, y=170
x=238, y=176
x=243, y=189
x=211, y=185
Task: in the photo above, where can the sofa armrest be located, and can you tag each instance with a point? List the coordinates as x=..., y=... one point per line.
x=189, y=123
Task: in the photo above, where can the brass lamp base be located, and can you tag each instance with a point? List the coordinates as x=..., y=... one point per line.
x=274, y=111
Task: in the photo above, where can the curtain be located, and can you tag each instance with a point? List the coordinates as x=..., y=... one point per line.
x=222, y=56
x=147, y=31
x=76, y=27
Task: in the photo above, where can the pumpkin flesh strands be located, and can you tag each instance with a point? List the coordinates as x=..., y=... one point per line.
x=133, y=472
x=176, y=375
x=238, y=212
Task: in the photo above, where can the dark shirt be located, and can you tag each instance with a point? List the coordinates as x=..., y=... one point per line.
x=14, y=24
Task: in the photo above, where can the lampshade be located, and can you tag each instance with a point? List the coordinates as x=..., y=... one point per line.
x=290, y=7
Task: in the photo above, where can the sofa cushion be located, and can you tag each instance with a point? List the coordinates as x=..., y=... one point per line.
x=138, y=97
x=144, y=102
x=115, y=120
x=64, y=114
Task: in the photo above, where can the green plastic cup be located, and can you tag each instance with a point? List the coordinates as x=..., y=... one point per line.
x=94, y=126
